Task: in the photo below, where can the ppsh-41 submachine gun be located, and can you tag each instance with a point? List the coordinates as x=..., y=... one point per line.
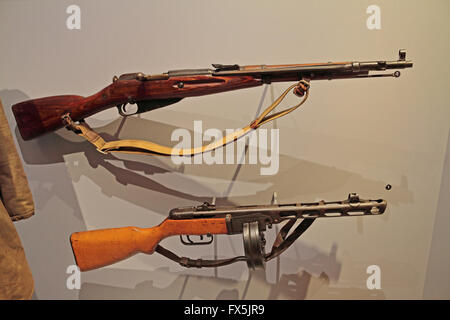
x=98, y=248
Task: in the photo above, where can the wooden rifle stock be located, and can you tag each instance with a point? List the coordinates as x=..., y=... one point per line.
x=99, y=248
x=38, y=116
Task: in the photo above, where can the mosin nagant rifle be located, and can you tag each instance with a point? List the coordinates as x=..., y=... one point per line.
x=38, y=116
x=98, y=248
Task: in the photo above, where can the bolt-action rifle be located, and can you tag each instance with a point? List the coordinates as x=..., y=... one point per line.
x=38, y=116
x=99, y=248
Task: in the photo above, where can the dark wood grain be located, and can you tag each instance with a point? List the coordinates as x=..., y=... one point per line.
x=38, y=116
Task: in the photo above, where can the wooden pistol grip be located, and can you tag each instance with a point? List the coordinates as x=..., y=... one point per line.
x=99, y=248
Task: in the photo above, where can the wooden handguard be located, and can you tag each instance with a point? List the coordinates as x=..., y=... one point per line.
x=99, y=248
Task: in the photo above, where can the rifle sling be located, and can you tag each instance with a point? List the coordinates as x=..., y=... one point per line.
x=151, y=148
x=280, y=245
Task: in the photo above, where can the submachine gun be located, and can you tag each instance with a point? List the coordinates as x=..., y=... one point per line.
x=98, y=248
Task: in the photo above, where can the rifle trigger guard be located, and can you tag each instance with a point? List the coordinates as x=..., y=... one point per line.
x=122, y=110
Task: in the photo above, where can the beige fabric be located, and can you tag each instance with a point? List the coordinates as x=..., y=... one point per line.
x=14, y=190
x=16, y=281
x=147, y=147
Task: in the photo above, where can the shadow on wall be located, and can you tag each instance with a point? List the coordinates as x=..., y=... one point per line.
x=313, y=281
x=297, y=286
x=437, y=285
x=130, y=177
x=46, y=182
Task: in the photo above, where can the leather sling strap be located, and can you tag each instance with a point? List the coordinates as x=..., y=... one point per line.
x=151, y=148
x=198, y=263
x=282, y=243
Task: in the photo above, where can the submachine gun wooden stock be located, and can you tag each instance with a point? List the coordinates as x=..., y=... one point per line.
x=98, y=248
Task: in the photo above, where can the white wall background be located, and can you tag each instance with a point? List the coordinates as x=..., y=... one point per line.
x=351, y=136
